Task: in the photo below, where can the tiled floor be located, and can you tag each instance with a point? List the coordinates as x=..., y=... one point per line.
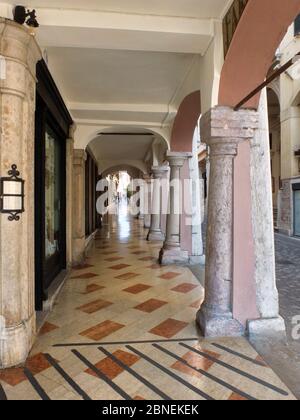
x=124, y=328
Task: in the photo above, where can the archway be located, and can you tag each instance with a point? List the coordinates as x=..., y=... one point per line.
x=185, y=123
x=258, y=35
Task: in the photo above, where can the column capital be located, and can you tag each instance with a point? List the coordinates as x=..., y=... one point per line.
x=178, y=158
x=225, y=128
x=147, y=178
x=72, y=129
x=79, y=156
x=19, y=44
x=159, y=171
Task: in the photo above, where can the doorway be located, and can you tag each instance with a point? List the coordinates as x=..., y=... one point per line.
x=296, y=189
x=52, y=122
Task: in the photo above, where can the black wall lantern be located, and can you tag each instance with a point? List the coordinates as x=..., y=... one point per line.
x=22, y=16
x=12, y=194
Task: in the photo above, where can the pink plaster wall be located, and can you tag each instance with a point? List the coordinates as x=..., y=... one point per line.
x=244, y=288
x=185, y=123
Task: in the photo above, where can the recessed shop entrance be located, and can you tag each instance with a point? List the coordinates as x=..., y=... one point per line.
x=52, y=129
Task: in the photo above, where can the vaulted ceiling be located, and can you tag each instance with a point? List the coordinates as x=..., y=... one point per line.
x=124, y=62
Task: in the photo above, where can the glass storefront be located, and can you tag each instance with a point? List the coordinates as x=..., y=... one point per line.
x=52, y=194
x=52, y=124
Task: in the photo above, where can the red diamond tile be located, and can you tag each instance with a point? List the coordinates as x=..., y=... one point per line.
x=113, y=259
x=155, y=267
x=102, y=330
x=82, y=267
x=95, y=306
x=151, y=305
x=138, y=288
x=185, y=288
x=194, y=360
x=197, y=304
x=47, y=328
x=112, y=369
x=36, y=364
x=139, y=253
x=169, y=328
x=91, y=288
x=13, y=376
x=261, y=360
x=127, y=276
x=119, y=267
x=146, y=259
x=236, y=397
x=85, y=276
x=169, y=276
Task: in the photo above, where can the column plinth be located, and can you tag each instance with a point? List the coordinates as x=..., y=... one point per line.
x=155, y=232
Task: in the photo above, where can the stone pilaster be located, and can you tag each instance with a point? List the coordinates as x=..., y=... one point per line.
x=263, y=230
x=155, y=232
x=171, y=253
x=222, y=129
x=79, y=159
x=69, y=192
x=17, y=117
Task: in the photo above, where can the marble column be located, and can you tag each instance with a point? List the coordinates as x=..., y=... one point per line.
x=171, y=253
x=20, y=54
x=222, y=129
x=79, y=158
x=155, y=232
x=147, y=201
x=197, y=198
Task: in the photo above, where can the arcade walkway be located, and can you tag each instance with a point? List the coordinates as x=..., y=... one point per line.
x=123, y=328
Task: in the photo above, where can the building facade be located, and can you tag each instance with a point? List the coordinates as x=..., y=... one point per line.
x=283, y=116
x=81, y=101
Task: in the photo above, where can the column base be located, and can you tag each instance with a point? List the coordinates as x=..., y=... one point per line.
x=169, y=256
x=154, y=236
x=147, y=222
x=266, y=327
x=16, y=343
x=212, y=325
x=78, y=251
x=197, y=259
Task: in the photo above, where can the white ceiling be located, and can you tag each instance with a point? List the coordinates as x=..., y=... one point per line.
x=122, y=77
x=125, y=62
x=188, y=8
x=125, y=147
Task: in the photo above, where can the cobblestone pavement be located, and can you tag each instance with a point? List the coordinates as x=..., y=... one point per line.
x=288, y=277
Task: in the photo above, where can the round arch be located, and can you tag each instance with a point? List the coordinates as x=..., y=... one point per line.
x=185, y=122
x=133, y=171
x=85, y=134
x=259, y=32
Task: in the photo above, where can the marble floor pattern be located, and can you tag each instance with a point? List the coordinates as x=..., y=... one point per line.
x=124, y=327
